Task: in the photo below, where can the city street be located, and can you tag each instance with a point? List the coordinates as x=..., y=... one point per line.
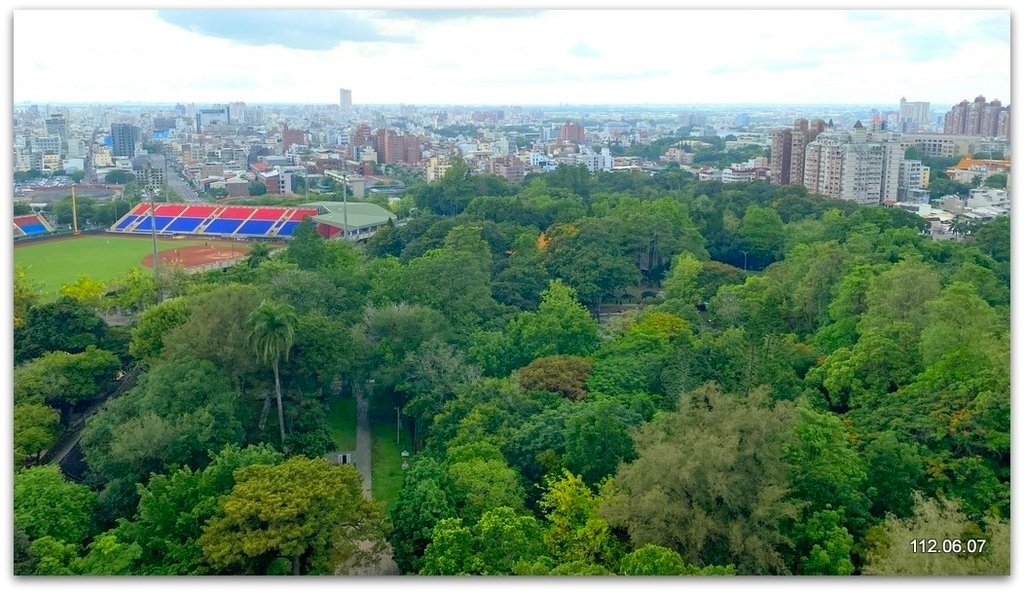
x=181, y=187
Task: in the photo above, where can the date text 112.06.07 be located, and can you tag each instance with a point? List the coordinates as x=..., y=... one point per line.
x=947, y=546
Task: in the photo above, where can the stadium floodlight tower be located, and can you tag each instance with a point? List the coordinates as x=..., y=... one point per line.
x=344, y=202
x=74, y=212
x=152, y=226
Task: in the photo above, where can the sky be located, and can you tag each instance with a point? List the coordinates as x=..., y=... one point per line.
x=511, y=57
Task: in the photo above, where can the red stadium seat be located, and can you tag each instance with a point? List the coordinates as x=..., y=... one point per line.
x=238, y=212
x=304, y=212
x=268, y=213
x=199, y=211
x=170, y=209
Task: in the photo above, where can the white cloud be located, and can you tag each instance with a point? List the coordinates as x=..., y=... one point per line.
x=574, y=56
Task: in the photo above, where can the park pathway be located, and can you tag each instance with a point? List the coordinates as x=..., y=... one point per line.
x=362, y=455
x=385, y=565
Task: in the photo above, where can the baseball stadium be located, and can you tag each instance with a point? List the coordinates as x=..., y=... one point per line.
x=192, y=236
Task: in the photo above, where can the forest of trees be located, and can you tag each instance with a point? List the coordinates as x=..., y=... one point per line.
x=610, y=373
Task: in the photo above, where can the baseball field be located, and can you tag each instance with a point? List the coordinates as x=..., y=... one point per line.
x=52, y=264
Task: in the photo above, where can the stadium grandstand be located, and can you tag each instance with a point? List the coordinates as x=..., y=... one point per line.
x=31, y=225
x=253, y=222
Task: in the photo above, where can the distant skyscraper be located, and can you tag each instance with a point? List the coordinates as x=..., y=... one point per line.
x=914, y=115
x=236, y=112
x=123, y=137
x=346, y=99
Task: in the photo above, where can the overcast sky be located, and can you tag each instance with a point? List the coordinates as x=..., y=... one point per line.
x=511, y=57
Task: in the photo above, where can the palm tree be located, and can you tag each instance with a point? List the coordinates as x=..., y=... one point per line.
x=271, y=335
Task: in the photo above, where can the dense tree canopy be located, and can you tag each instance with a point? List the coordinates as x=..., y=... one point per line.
x=610, y=373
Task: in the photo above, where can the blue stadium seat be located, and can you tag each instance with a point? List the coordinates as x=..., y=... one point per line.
x=256, y=227
x=287, y=229
x=145, y=224
x=183, y=225
x=222, y=227
x=126, y=223
x=34, y=229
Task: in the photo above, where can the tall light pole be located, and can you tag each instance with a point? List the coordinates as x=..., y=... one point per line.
x=398, y=424
x=74, y=212
x=152, y=226
x=344, y=201
x=744, y=260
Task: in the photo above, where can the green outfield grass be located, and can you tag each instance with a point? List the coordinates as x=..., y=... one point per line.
x=385, y=454
x=52, y=264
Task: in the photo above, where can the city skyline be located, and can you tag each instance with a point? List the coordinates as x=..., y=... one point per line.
x=525, y=57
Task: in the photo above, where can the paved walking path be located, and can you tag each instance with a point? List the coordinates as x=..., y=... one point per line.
x=362, y=455
x=385, y=564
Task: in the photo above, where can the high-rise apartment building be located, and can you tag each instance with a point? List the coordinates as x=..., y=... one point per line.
x=392, y=147
x=860, y=165
x=910, y=177
x=781, y=157
x=123, y=137
x=823, y=165
x=914, y=115
x=804, y=133
x=789, y=148
x=57, y=126
x=345, y=99
x=978, y=118
x=571, y=132
x=360, y=135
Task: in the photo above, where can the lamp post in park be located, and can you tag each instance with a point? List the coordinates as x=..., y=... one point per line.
x=398, y=424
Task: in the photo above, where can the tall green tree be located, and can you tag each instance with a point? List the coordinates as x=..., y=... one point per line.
x=587, y=256
x=575, y=531
x=35, y=430
x=217, y=330
x=425, y=499
x=307, y=511
x=500, y=541
x=710, y=482
x=761, y=235
x=153, y=324
x=177, y=414
x=174, y=508
x=64, y=324
x=271, y=336
x=559, y=326
x=47, y=504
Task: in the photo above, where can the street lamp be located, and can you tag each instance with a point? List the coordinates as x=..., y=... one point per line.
x=398, y=424
x=744, y=260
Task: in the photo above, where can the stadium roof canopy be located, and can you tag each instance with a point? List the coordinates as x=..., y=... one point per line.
x=361, y=215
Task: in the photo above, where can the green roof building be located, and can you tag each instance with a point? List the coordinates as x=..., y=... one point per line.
x=360, y=221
